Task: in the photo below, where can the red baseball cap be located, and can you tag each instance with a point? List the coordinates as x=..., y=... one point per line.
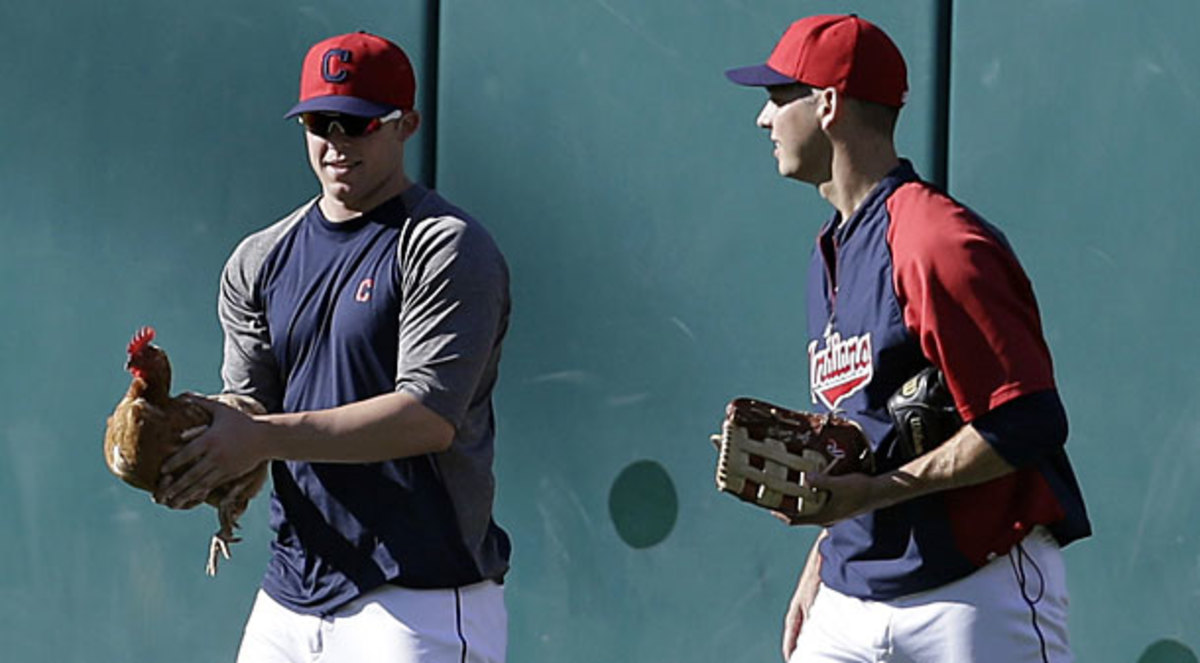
x=357, y=74
x=843, y=52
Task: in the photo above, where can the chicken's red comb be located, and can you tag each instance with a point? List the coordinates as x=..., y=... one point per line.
x=140, y=340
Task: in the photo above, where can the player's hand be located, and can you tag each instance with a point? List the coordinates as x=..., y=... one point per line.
x=229, y=448
x=849, y=495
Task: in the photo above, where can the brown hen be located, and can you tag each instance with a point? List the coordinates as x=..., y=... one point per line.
x=148, y=425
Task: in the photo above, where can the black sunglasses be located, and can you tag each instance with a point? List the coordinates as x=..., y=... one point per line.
x=322, y=124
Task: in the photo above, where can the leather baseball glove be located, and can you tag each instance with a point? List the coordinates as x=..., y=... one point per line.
x=924, y=414
x=766, y=451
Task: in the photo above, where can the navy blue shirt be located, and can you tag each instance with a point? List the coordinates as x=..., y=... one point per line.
x=412, y=297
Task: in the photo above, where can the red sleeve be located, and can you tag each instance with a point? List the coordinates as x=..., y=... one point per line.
x=967, y=299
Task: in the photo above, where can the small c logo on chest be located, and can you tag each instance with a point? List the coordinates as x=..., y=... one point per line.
x=363, y=294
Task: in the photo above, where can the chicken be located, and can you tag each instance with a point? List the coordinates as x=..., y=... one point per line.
x=148, y=425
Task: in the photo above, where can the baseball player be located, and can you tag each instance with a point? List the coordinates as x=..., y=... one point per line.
x=369, y=323
x=953, y=555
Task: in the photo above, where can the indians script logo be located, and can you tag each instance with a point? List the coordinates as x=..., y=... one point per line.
x=840, y=369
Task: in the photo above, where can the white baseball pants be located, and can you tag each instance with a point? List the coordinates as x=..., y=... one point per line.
x=986, y=617
x=390, y=624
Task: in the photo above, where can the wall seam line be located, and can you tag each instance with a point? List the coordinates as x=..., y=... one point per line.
x=945, y=38
x=433, y=27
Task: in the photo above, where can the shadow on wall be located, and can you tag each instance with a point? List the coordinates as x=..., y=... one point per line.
x=643, y=504
x=1168, y=651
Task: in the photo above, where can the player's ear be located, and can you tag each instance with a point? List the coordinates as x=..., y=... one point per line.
x=409, y=123
x=830, y=107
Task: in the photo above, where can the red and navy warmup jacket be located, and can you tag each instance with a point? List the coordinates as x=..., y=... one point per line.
x=913, y=278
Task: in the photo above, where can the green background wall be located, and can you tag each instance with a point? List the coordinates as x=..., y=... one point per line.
x=658, y=267
x=141, y=139
x=1073, y=125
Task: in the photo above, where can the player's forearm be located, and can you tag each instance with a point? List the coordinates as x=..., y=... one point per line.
x=394, y=425
x=803, y=597
x=810, y=577
x=965, y=459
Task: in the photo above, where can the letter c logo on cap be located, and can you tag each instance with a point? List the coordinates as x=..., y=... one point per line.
x=327, y=72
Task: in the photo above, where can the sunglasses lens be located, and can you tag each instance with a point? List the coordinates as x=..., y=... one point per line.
x=321, y=124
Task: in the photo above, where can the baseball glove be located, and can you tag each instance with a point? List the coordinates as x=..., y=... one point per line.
x=766, y=450
x=924, y=414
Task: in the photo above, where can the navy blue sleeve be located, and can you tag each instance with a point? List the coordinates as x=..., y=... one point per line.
x=1025, y=428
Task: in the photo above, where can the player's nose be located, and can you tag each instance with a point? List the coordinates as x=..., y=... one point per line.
x=766, y=116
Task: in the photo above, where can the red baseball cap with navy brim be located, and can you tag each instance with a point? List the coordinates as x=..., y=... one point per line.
x=357, y=74
x=842, y=51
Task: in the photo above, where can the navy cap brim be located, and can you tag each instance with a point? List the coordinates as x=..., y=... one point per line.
x=341, y=104
x=759, y=75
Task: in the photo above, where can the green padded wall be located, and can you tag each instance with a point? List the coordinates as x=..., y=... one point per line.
x=658, y=269
x=1073, y=127
x=141, y=140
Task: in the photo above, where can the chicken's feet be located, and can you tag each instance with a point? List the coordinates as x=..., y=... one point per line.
x=218, y=548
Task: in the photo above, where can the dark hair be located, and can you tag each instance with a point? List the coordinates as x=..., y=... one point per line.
x=878, y=117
